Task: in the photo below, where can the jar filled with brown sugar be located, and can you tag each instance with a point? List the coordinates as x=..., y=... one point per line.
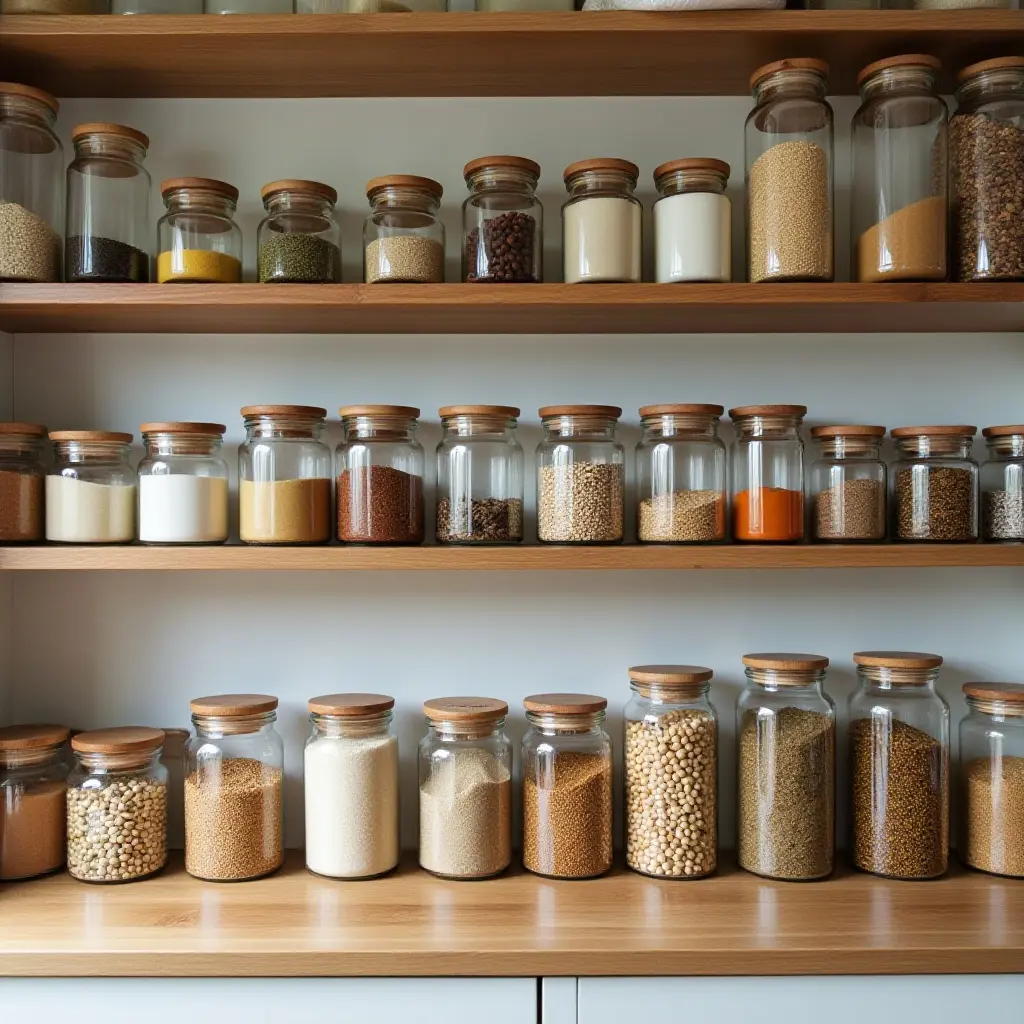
x=23, y=451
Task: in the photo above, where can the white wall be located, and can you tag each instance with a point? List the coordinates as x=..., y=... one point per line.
x=6, y=406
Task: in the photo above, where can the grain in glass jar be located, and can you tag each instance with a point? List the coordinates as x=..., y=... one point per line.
x=156, y=7
x=848, y=484
x=403, y=239
x=299, y=240
x=249, y=7
x=1002, y=484
x=23, y=449
x=197, y=238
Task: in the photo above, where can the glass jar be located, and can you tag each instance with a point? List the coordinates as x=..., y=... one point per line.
x=1002, y=484
x=31, y=183
x=197, y=238
x=284, y=476
x=992, y=785
x=380, y=468
x=234, y=772
x=90, y=488
x=692, y=221
x=117, y=805
x=946, y=5
x=681, y=476
x=465, y=772
x=767, y=468
x=567, y=786
x=32, y=802
x=935, y=484
x=54, y=6
x=249, y=7
x=848, y=484
x=789, y=150
x=786, y=771
x=367, y=6
x=183, y=484
x=108, y=238
x=671, y=772
x=601, y=222
x=403, y=239
x=299, y=240
x=156, y=7
x=479, y=476
x=580, y=475
x=23, y=448
x=351, y=786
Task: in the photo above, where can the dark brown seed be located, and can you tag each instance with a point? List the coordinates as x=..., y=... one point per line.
x=502, y=249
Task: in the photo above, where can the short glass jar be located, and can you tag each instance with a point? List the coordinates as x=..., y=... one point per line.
x=848, y=484
x=786, y=772
x=197, y=238
x=1002, y=484
x=403, y=238
x=567, y=786
x=284, y=476
x=789, y=153
x=33, y=807
x=767, y=468
x=351, y=786
x=671, y=772
x=479, y=476
x=23, y=452
x=580, y=475
x=899, y=766
x=91, y=488
x=380, y=467
x=692, y=221
x=934, y=484
x=299, y=240
x=465, y=777
x=109, y=236
x=117, y=805
x=183, y=484
x=234, y=775
x=601, y=222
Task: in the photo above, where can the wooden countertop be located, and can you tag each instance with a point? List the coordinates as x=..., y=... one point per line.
x=415, y=925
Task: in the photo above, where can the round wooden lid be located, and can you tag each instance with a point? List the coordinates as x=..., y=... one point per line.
x=565, y=703
x=313, y=411
x=317, y=188
x=375, y=185
x=207, y=429
x=995, y=64
x=680, y=409
x=128, y=739
x=16, y=89
x=897, y=659
x=907, y=60
x=104, y=128
x=464, y=709
x=221, y=188
x=692, y=163
x=32, y=737
x=785, y=662
x=1007, y=430
x=508, y=411
x=670, y=675
x=548, y=412
x=521, y=163
x=848, y=430
x=92, y=436
x=767, y=410
x=792, y=64
x=29, y=429
x=602, y=163
x=233, y=705
x=350, y=411
x=1009, y=693
x=956, y=429
x=351, y=705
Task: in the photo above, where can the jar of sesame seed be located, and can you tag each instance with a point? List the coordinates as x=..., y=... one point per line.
x=847, y=484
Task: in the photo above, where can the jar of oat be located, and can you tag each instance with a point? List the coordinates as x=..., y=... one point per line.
x=671, y=772
x=234, y=775
x=681, y=475
x=1002, y=484
x=567, y=786
x=789, y=151
x=198, y=240
x=848, y=484
x=23, y=448
x=899, y=766
x=117, y=805
x=403, y=238
x=580, y=475
x=299, y=240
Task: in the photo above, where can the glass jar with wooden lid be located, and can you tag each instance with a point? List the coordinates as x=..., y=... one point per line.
x=1002, y=484
x=198, y=240
x=299, y=240
x=848, y=484
x=23, y=450
x=403, y=237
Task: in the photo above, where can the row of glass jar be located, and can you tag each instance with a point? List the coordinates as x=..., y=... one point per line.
x=265, y=6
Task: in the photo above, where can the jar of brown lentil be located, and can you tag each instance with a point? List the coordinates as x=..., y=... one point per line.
x=848, y=484
x=22, y=483
x=899, y=766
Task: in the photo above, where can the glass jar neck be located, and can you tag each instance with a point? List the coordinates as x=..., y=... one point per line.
x=791, y=83
x=850, y=447
x=927, y=446
x=997, y=709
x=679, y=425
x=782, y=428
x=162, y=444
x=299, y=201
x=214, y=726
x=679, y=182
x=22, y=444
x=502, y=179
x=662, y=694
x=593, y=428
x=352, y=727
x=447, y=731
x=405, y=198
x=1010, y=446
x=284, y=427
x=479, y=425
x=25, y=108
x=884, y=678
x=197, y=200
x=1001, y=83
x=789, y=679
x=598, y=183
x=34, y=757
x=906, y=80
x=110, y=147
x=136, y=760
x=550, y=724
x=379, y=428
x=93, y=452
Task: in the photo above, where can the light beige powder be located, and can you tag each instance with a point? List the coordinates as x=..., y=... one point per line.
x=80, y=512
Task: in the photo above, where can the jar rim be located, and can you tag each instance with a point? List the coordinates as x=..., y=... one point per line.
x=1001, y=693
x=106, y=128
x=898, y=659
x=347, y=412
x=181, y=427
x=20, y=429
x=951, y=430
x=128, y=739
x=1006, y=430
x=847, y=430
x=671, y=675
x=350, y=705
x=521, y=163
x=786, y=662
x=742, y=412
x=412, y=181
x=32, y=737
x=681, y=409
x=564, y=704
x=213, y=185
x=111, y=437
x=906, y=60
x=250, y=412
x=30, y=92
x=233, y=705
x=692, y=163
x=447, y=412
x=994, y=64
x=316, y=188
x=552, y=412
x=604, y=163
x=465, y=710
x=813, y=64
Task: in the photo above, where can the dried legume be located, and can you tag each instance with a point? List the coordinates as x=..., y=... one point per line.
x=298, y=259
x=507, y=252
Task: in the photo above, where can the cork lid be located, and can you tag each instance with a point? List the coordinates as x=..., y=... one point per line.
x=682, y=676
x=313, y=411
x=692, y=163
x=104, y=128
x=952, y=430
x=1007, y=430
x=233, y=705
x=680, y=409
x=906, y=60
x=995, y=64
x=508, y=411
x=791, y=64
x=897, y=659
x=32, y=737
x=15, y=89
x=317, y=188
x=742, y=411
x=351, y=411
x=465, y=709
x=848, y=430
x=351, y=705
x=602, y=163
x=375, y=185
x=175, y=427
x=92, y=436
x=565, y=703
x=17, y=427
x=221, y=188
x=129, y=739
x=786, y=662
x=1009, y=693
x=521, y=163
x=548, y=412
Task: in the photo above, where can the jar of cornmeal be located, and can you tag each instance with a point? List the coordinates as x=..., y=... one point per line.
x=197, y=238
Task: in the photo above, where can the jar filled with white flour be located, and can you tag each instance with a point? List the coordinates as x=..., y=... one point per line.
x=351, y=784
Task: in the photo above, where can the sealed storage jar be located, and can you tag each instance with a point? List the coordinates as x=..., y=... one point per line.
x=848, y=484
x=403, y=238
x=299, y=240
x=899, y=766
x=23, y=451
x=465, y=776
x=197, y=238
x=1002, y=484
x=671, y=772
x=234, y=773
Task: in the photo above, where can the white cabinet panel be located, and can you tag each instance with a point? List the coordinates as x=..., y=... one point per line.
x=558, y=1000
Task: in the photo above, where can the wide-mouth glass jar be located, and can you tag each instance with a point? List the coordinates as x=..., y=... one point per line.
x=465, y=778
x=671, y=772
x=299, y=240
x=117, y=805
x=899, y=766
x=197, y=238
x=403, y=238
x=23, y=451
x=1002, y=484
x=848, y=484
x=234, y=776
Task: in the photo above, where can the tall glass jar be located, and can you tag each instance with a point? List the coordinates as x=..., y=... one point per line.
x=935, y=484
x=671, y=772
x=117, y=805
x=284, y=476
x=351, y=786
x=789, y=151
x=899, y=766
x=32, y=801
x=479, y=476
x=465, y=775
x=23, y=451
x=197, y=238
x=234, y=773
x=786, y=775
x=109, y=236
x=183, y=484
x=1002, y=484
x=380, y=468
x=580, y=475
x=91, y=488
x=992, y=778
x=899, y=172
x=31, y=184
x=848, y=484
x=681, y=475
x=767, y=467
x=502, y=221
x=403, y=238
x=299, y=240
x=986, y=136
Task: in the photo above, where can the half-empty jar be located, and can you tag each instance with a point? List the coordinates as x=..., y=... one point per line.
x=23, y=448
x=1002, y=484
x=299, y=240
x=197, y=238
x=848, y=484
x=403, y=238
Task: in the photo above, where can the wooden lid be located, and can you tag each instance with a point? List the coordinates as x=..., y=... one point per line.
x=127, y=739
x=565, y=703
x=509, y=411
x=313, y=411
x=692, y=163
x=221, y=188
x=521, y=163
x=91, y=436
x=32, y=737
x=104, y=128
x=897, y=659
x=351, y=705
x=233, y=705
x=786, y=662
x=548, y=412
x=959, y=430
x=208, y=429
x=1010, y=693
x=848, y=430
x=995, y=64
x=300, y=185
x=681, y=409
x=349, y=411
x=907, y=60
x=375, y=185
x=603, y=163
x=670, y=675
x=767, y=410
x=16, y=89
x=1007, y=430
x=464, y=709
x=791, y=64
x=16, y=427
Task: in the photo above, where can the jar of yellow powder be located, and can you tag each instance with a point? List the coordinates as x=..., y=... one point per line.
x=198, y=238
